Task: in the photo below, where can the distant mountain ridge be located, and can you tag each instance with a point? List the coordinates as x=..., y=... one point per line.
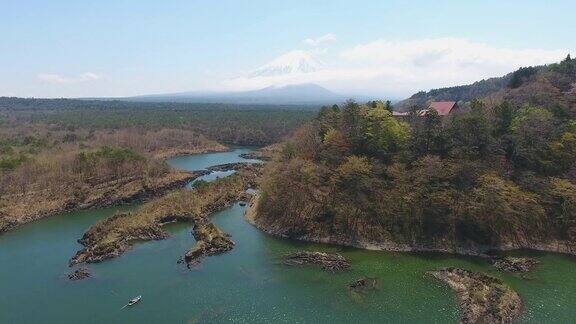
x=547, y=85
x=307, y=93
x=478, y=89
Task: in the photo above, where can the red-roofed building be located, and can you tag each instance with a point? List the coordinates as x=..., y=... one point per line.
x=400, y=114
x=445, y=108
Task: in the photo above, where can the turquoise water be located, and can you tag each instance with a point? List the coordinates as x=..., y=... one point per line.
x=245, y=285
x=203, y=161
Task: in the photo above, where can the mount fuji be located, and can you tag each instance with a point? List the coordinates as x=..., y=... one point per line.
x=290, y=63
x=292, y=66
x=307, y=93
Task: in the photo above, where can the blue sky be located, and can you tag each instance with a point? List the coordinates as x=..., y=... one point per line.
x=71, y=48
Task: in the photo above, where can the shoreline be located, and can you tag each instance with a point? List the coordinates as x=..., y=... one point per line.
x=141, y=195
x=169, y=154
x=551, y=247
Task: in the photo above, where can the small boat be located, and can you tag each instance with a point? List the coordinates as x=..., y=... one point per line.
x=133, y=301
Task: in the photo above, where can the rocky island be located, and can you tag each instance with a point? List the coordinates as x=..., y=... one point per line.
x=113, y=236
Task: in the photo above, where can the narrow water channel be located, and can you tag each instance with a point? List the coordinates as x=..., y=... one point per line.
x=246, y=285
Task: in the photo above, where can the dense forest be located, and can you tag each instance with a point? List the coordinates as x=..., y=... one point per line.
x=502, y=175
x=60, y=154
x=230, y=124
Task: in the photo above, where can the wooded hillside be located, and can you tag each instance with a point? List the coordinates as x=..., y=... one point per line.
x=500, y=176
x=525, y=85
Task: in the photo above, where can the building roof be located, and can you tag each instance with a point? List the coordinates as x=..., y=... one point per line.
x=442, y=107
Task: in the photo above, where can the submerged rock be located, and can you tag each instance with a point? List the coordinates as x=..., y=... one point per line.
x=327, y=261
x=363, y=284
x=514, y=264
x=79, y=274
x=481, y=298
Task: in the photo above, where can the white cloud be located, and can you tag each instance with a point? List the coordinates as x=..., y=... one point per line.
x=324, y=39
x=404, y=67
x=60, y=79
x=431, y=63
x=453, y=53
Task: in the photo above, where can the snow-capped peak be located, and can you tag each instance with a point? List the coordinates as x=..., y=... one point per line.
x=297, y=61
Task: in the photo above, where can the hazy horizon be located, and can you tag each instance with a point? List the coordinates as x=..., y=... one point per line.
x=392, y=49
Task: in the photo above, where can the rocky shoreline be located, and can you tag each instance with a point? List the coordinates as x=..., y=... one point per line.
x=514, y=264
x=103, y=195
x=331, y=262
x=263, y=154
x=481, y=298
x=174, y=152
x=33, y=206
x=251, y=216
x=235, y=166
x=255, y=155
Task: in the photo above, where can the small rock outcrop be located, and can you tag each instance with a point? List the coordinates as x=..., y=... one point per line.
x=209, y=241
x=514, y=264
x=5, y=224
x=481, y=298
x=327, y=261
x=79, y=274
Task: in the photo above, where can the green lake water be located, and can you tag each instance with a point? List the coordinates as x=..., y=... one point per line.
x=245, y=285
